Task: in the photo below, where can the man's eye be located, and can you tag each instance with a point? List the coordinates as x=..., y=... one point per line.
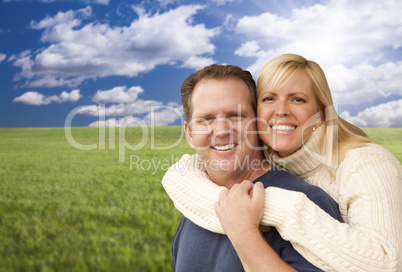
x=205, y=120
x=236, y=117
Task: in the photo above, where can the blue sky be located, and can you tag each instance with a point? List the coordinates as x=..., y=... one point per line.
x=106, y=62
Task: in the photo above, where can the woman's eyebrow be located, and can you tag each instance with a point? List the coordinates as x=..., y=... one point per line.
x=268, y=92
x=298, y=93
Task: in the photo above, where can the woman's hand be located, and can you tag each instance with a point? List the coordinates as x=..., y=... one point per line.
x=240, y=209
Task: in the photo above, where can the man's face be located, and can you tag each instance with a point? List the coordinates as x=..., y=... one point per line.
x=222, y=129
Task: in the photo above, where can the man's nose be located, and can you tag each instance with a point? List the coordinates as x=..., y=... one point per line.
x=222, y=127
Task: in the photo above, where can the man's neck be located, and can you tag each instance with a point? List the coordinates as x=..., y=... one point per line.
x=230, y=178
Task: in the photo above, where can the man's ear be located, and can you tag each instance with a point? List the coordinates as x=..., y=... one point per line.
x=189, y=136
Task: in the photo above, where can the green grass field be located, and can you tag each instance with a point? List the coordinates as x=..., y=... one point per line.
x=65, y=209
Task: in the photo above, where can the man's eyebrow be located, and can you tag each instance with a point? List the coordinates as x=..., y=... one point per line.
x=236, y=113
x=233, y=112
x=204, y=115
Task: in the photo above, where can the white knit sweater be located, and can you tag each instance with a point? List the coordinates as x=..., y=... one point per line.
x=367, y=186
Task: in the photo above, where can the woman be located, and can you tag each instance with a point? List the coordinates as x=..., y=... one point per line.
x=297, y=120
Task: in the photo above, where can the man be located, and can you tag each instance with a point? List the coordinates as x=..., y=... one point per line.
x=219, y=105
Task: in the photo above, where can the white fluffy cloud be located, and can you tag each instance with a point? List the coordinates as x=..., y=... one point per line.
x=101, y=2
x=384, y=115
x=197, y=62
x=224, y=2
x=124, y=103
x=79, y=51
x=38, y=99
x=165, y=115
x=123, y=109
x=164, y=3
x=364, y=82
x=118, y=94
x=339, y=32
x=160, y=116
x=2, y=57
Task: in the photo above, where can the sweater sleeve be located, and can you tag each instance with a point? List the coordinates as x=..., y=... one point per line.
x=193, y=193
x=370, y=200
x=370, y=181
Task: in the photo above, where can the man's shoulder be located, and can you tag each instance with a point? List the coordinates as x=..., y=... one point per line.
x=285, y=180
x=282, y=179
x=197, y=249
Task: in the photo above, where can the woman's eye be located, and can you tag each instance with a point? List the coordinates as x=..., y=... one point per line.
x=299, y=100
x=267, y=99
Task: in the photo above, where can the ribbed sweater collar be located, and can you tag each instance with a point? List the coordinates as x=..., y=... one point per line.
x=306, y=159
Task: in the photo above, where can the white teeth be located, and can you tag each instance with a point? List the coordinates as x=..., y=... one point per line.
x=283, y=127
x=224, y=147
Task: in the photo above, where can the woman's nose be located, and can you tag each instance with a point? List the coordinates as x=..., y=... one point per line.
x=282, y=108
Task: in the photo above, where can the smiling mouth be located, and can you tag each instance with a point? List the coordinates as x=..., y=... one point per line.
x=224, y=147
x=283, y=127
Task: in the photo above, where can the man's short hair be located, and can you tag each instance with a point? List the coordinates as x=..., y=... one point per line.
x=215, y=71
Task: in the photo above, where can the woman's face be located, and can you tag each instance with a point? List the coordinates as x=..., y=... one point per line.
x=286, y=116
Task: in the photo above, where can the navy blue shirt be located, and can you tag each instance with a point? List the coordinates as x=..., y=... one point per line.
x=197, y=249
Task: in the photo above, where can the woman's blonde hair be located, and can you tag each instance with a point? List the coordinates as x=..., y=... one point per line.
x=280, y=70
